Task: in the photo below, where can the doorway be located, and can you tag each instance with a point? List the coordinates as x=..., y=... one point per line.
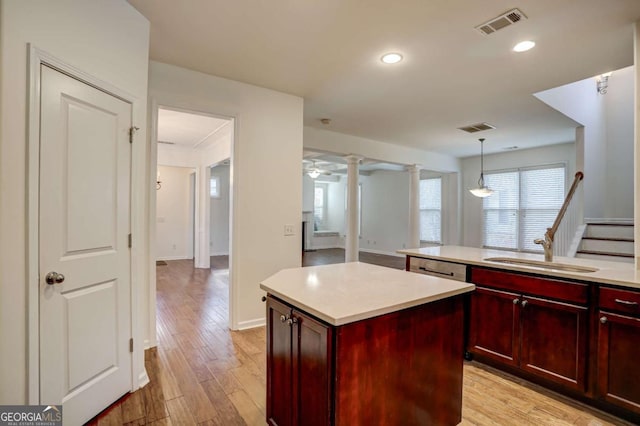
x=198, y=143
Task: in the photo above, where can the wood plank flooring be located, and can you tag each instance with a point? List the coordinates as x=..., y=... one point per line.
x=203, y=373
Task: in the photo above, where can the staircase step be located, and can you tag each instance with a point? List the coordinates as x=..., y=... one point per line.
x=609, y=230
x=607, y=245
x=604, y=256
x=604, y=253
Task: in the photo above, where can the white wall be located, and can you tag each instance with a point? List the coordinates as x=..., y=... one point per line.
x=268, y=132
x=385, y=211
x=619, y=114
x=608, y=140
x=636, y=141
x=174, y=214
x=108, y=40
x=219, y=238
x=472, y=206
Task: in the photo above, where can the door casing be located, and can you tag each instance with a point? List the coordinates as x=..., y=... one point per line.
x=36, y=58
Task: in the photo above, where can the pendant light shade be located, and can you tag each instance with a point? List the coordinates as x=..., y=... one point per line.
x=482, y=190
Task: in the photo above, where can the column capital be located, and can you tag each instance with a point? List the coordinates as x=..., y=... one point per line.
x=353, y=159
x=413, y=167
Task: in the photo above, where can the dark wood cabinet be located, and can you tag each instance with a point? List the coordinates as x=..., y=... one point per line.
x=402, y=368
x=494, y=330
x=554, y=341
x=618, y=378
x=298, y=367
x=541, y=336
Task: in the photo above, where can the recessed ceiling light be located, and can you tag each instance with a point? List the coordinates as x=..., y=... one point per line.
x=391, y=58
x=523, y=46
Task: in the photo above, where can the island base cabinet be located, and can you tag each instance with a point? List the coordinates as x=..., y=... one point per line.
x=618, y=365
x=298, y=368
x=402, y=368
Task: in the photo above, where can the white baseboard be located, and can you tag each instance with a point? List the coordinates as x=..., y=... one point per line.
x=387, y=253
x=174, y=258
x=143, y=379
x=219, y=253
x=149, y=344
x=245, y=325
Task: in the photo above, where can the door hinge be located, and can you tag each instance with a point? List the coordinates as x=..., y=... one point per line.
x=132, y=130
x=129, y=240
x=131, y=345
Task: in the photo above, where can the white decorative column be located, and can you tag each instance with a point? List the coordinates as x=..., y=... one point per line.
x=352, y=243
x=414, y=206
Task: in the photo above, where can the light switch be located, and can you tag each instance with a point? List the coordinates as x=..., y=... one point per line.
x=289, y=230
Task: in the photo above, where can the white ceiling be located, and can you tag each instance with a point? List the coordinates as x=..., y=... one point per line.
x=185, y=129
x=328, y=52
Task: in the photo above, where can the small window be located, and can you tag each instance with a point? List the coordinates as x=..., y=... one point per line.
x=320, y=206
x=214, y=187
x=431, y=210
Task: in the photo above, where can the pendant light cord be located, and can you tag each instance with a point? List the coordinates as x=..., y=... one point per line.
x=481, y=180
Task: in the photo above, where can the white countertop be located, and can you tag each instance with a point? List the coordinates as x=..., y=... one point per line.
x=347, y=292
x=617, y=273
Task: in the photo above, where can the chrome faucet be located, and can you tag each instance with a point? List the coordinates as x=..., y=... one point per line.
x=547, y=245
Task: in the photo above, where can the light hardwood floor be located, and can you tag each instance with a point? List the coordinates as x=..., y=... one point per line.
x=203, y=373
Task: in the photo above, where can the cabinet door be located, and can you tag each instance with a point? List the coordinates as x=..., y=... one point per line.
x=312, y=371
x=554, y=341
x=618, y=363
x=493, y=328
x=279, y=364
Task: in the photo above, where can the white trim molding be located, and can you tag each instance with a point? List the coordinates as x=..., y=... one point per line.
x=37, y=58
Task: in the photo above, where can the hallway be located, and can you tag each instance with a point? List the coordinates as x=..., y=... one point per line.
x=203, y=373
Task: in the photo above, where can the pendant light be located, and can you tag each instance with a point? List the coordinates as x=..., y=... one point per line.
x=482, y=190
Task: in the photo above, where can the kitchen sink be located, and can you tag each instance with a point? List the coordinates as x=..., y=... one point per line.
x=541, y=264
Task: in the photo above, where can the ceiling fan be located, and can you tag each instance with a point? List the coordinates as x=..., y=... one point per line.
x=314, y=171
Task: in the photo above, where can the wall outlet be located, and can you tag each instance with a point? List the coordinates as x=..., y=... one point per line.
x=289, y=230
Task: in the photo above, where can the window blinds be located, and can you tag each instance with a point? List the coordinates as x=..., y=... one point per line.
x=524, y=205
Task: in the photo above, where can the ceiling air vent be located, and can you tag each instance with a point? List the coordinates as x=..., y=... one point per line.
x=502, y=21
x=477, y=127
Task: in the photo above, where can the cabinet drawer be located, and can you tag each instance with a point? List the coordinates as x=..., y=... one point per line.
x=439, y=268
x=620, y=300
x=536, y=286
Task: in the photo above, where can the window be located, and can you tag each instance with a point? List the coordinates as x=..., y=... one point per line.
x=525, y=203
x=214, y=187
x=320, y=206
x=431, y=210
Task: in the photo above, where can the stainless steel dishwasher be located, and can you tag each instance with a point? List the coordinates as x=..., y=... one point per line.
x=438, y=268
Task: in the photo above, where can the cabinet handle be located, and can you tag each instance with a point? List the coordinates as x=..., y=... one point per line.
x=264, y=298
x=431, y=271
x=524, y=303
x=292, y=320
x=603, y=320
x=516, y=301
x=626, y=302
x=284, y=318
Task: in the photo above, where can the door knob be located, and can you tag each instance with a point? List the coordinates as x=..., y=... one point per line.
x=54, y=278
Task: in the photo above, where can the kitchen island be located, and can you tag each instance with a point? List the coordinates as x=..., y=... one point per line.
x=356, y=343
x=571, y=325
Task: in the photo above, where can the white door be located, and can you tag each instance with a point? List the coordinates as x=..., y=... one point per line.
x=85, y=320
